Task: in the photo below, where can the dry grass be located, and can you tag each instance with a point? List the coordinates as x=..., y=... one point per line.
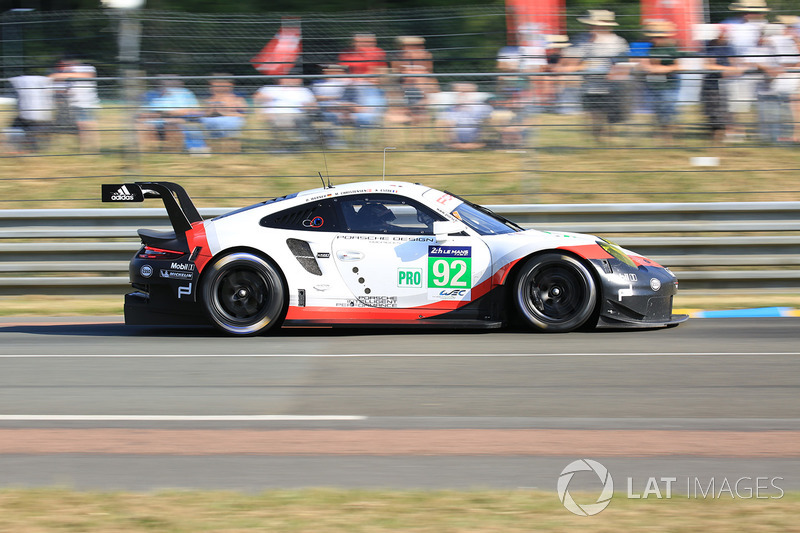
x=329, y=510
x=567, y=166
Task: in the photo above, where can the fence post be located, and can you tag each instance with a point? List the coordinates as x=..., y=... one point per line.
x=130, y=28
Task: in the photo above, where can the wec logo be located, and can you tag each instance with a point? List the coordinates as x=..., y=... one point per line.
x=456, y=293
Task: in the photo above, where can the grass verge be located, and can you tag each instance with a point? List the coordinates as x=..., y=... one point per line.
x=561, y=163
x=331, y=510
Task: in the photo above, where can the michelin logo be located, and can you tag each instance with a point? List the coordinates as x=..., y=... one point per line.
x=171, y=274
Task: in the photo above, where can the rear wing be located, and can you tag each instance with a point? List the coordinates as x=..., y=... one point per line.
x=180, y=209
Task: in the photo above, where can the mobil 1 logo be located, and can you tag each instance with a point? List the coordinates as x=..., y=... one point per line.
x=449, y=272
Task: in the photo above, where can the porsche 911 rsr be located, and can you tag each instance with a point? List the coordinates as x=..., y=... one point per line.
x=380, y=253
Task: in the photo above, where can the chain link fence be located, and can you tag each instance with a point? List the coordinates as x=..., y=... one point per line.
x=473, y=123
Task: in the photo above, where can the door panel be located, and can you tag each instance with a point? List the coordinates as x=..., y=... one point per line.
x=389, y=258
x=405, y=271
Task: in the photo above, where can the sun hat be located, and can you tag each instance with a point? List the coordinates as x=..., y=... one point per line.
x=751, y=6
x=598, y=17
x=557, y=41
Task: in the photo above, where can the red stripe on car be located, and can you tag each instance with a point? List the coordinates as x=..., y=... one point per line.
x=588, y=251
x=197, y=237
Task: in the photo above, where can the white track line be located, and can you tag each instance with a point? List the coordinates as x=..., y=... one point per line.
x=393, y=355
x=183, y=418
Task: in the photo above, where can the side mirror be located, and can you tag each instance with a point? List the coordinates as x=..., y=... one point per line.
x=444, y=228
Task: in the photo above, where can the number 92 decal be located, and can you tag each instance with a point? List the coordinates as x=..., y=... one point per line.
x=449, y=272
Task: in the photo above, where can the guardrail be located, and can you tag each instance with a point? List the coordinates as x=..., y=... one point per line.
x=743, y=246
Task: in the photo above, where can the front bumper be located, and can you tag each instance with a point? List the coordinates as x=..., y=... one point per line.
x=636, y=297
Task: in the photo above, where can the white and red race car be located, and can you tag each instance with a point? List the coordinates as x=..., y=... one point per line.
x=380, y=253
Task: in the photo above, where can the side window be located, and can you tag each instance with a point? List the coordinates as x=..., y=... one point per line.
x=382, y=213
x=314, y=216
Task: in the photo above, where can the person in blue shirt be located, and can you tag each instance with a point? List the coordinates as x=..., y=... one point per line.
x=176, y=107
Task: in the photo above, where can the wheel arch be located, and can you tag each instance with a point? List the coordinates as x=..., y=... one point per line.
x=253, y=251
x=513, y=275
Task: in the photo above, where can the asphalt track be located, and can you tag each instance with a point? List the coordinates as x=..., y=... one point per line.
x=94, y=404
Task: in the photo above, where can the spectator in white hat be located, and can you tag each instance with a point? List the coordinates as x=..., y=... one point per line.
x=744, y=38
x=598, y=56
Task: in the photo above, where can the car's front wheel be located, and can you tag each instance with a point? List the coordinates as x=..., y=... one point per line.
x=555, y=292
x=244, y=294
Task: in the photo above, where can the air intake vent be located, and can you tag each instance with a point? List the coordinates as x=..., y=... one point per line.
x=293, y=218
x=302, y=251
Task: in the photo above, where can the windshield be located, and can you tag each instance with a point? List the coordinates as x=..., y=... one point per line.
x=483, y=220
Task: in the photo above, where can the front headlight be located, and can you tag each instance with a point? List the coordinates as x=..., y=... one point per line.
x=616, y=252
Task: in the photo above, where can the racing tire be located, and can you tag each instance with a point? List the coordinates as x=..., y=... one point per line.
x=555, y=293
x=244, y=294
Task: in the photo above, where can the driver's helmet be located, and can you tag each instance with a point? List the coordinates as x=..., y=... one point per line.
x=375, y=215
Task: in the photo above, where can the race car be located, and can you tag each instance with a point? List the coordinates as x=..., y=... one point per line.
x=380, y=253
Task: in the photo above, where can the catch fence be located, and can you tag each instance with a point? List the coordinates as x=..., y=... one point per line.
x=503, y=135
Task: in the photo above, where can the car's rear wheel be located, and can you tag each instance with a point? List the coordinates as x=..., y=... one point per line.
x=244, y=294
x=555, y=292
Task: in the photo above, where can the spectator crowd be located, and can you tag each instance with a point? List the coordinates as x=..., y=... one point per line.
x=750, y=90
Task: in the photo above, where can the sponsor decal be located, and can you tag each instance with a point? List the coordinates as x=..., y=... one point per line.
x=184, y=291
x=370, y=301
x=146, y=271
x=122, y=195
x=316, y=222
x=655, y=284
x=409, y=277
x=450, y=251
x=449, y=267
x=385, y=239
x=172, y=274
x=560, y=235
x=182, y=266
x=625, y=292
x=627, y=278
x=449, y=294
x=443, y=199
x=323, y=255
